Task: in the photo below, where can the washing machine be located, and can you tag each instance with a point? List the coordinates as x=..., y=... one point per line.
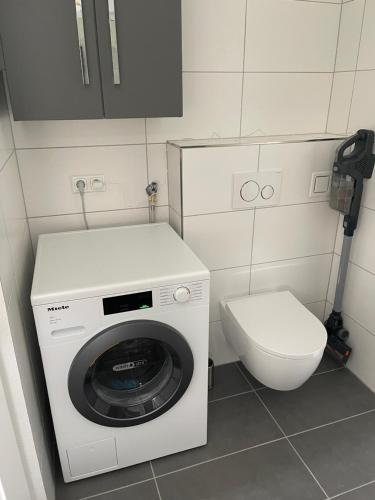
x=122, y=321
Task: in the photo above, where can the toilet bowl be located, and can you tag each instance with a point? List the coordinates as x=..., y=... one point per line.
x=279, y=341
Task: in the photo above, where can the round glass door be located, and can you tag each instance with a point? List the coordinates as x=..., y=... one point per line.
x=130, y=373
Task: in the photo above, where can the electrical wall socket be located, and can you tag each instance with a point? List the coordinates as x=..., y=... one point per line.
x=93, y=183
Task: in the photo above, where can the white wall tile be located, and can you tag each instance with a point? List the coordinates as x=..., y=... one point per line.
x=358, y=297
x=285, y=103
x=368, y=199
x=225, y=284
x=46, y=177
x=74, y=222
x=175, y=221
x=366, y=59
x=307, y=278
x=340, y=102
x=361, y=361
x=362, y=253
x=293, y=231
x=297, y=162
x=13, y=231
x=220, y=350
x=283, y=35
x=333, y=279
x=174, y=178
x=69, y=133
x=6, y=267
x=317, y=308
x=213, y=35
x=6, y=139
x=362, y=114
x=221, y=240
x=212, y=107
x=350, y=33
x=11, y=196
x=208, y=176
x=157, y=170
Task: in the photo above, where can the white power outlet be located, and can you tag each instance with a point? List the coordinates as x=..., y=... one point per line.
x=93, y=183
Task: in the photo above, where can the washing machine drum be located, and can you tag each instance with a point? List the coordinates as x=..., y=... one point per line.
x=130, y=373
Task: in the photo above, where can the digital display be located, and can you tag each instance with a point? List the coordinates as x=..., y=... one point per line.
x=126, y=303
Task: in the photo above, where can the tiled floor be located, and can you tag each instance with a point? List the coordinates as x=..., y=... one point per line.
x=315, y=443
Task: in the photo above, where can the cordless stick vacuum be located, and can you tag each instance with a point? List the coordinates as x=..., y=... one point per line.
x=354, y=162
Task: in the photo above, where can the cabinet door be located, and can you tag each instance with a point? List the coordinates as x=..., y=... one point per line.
x=51, y=59
x=140, y=57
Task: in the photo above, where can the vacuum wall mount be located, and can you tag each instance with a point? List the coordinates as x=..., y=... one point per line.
x=354, y=162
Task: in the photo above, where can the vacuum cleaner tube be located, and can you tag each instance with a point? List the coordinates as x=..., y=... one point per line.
x=342, y=190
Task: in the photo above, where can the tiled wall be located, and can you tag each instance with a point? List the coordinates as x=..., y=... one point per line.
x=19, y=352
x=250, y=67
x=354, y=108
x=289, y=246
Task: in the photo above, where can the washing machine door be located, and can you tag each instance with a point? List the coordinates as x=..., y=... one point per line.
x=130, y=373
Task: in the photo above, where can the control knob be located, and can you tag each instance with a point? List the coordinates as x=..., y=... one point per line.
x=181, y=294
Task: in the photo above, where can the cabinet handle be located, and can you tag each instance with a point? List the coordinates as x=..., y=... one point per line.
x=114, y=46
x=82, y=43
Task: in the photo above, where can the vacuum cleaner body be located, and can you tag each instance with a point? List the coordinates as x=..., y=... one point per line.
x=354, y=162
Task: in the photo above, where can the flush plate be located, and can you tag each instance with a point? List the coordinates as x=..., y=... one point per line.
x=256, y=189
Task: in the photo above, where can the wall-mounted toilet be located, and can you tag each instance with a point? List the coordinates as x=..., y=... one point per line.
x=279, y=341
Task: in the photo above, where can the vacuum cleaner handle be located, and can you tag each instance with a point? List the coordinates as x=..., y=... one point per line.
x=359, y=163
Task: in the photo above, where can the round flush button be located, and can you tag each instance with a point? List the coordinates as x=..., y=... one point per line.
x=267, y=192
x=249, y=191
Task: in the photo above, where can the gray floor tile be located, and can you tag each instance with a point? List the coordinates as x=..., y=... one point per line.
x=270, y=472
x=342, y=455
x=101, y=483
x=364, y=493
x=252, y=380
x=327, y=364
x=321, y=400
x=228, y=381
x=233, y=424
x=143, y=491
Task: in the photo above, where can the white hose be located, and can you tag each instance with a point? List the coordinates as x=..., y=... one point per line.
x=81, y=188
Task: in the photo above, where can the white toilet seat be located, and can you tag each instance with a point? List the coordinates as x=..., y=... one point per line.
x=277, y=338
x=278, y=324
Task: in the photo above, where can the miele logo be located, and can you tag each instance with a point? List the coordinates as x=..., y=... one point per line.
x=60, y=308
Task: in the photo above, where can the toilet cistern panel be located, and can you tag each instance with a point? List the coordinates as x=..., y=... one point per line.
x=256, y=189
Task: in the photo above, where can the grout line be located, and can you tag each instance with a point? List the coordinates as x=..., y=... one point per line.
x=352, y=489
x=334, y=67
x=96, y=495
x=357, y=265
x=308, y=468
x=243, y=68
x=328, y=371
x=85, y=146
x=294, y=449
x=313, y=202
x=4, y=164
x=283, y=433
x=92, y=212
x=356, y=66
x=156, y=483
x=244, y=377
x=358, y=323
x=220, y=457
x=330, y=423
x=231, y=396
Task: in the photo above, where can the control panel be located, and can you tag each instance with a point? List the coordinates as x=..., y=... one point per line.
x=256, y=189
x=181, y=293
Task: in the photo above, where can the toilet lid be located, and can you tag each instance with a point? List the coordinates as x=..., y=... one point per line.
x=279, y=324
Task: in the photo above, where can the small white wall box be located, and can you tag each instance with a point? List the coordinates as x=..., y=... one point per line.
x=320, y=183
x=256, y=189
